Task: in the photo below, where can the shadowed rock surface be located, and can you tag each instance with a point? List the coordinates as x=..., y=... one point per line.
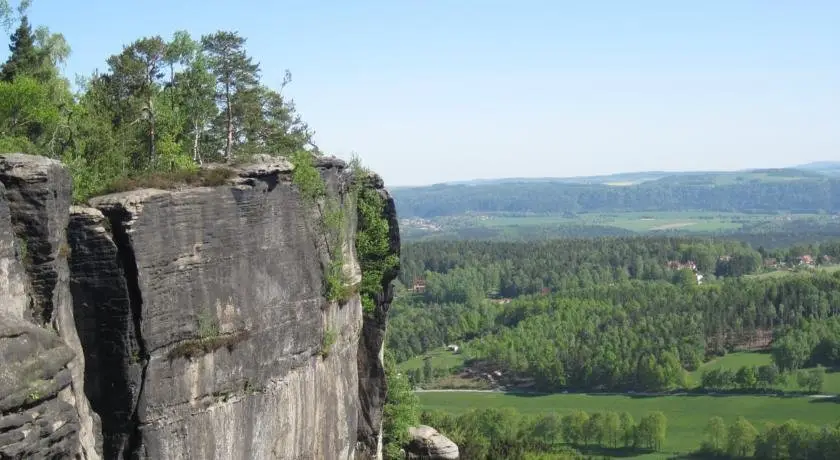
x=105, y=326
x=15, y=301
x=37, y=420
x=37, y=192
x=427, y=444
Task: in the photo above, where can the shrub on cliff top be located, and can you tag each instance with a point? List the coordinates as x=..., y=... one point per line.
x=169, y=180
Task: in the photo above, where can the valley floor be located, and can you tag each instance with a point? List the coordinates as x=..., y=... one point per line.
x=687, y=414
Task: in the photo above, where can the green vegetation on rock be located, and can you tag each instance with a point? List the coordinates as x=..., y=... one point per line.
x=331, y=222
x=373, y=244
x=327, y=342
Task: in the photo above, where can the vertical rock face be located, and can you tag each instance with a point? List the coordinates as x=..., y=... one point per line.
x=15, y=301
x=37, y=193
x=36, y=421
x=105, y=326
x=204, y=320
x=372, y=388
x=193, y=322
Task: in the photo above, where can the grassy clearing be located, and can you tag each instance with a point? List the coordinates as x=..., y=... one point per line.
x=457, y=382
x=780, y=273
x=735, y=361
x=441, y=359
x=687, y=415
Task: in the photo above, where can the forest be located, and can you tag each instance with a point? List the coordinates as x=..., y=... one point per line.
x=162, y=105
x=616, y=313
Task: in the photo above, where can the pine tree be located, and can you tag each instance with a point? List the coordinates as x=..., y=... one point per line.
x=24, y=57
x=135, y=81
x=235, y=73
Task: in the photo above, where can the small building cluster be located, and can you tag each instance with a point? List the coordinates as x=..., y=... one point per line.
x=689, y=265
x=419, y=286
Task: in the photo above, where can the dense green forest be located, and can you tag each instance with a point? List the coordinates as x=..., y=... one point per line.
x=162, y=105
x=616, y=313
x=804, y=194
x=515, y=268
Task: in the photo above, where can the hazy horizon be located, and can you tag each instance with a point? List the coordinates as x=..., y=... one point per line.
x=664, y=171
x=436, y=92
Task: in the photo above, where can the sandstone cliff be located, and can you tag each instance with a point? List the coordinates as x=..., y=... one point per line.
x=44, y=412
x=198, y=325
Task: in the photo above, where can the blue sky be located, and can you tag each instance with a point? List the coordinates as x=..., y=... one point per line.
x=430, y=91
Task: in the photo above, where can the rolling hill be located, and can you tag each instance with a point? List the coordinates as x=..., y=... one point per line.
x=761, y=190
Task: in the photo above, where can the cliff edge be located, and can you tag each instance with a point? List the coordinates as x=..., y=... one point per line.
x=204, y=322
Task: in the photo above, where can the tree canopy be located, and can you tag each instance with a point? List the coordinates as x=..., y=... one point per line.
x=161, y=104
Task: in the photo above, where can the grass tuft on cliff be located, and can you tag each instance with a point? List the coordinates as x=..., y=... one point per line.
x=170, y=180
x=201, y=346
x=327, y=342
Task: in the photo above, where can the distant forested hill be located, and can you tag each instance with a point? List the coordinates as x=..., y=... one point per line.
x=755, y=191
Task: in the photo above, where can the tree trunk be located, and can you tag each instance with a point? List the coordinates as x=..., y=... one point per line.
x=196, y=134
x=151, y=135
x=229, y=146
x=151, y=141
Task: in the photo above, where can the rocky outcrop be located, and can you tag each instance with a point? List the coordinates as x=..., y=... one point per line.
x=37, y=421
x=427, y=444
x=37, y=196
x=193, y=322
x=204, y=310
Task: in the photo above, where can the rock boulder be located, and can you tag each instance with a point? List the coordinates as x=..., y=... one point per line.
x=427, y=444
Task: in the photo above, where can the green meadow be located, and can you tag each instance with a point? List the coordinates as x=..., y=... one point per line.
x=735, y=361
x=687, y=415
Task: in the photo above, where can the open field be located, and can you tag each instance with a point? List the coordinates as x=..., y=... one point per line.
x=444, y=359
x=687, y=415
x=639, y=222
x=734, y=361
x=646, y=222
x=441, y=359
x=624, y=223
x=778, y=273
